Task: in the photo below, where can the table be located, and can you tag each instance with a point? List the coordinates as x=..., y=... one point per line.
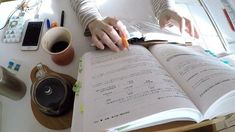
x=189, y=8
x=17, y=116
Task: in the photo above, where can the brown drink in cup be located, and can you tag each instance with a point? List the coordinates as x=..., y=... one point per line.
x=57, y=42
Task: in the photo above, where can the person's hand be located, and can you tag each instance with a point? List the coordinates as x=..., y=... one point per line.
x=169, y=17
x=107, y=32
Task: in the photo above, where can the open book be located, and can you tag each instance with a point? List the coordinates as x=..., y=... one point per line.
x=145, y=87
x=143, y=32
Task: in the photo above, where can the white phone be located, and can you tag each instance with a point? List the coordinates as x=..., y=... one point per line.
x=32, y=35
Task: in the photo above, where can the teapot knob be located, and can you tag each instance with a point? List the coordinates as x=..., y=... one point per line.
x=41, y=71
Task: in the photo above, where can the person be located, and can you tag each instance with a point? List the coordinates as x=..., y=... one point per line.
x=106, y=31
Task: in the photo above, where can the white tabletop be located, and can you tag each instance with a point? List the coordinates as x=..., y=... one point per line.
x=17, y=116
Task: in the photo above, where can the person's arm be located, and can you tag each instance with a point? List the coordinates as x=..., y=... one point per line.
x=87, y=12
x=103, y=31
x=167, y=16
x=160, y=5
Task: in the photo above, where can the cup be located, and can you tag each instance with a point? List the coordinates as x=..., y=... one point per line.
x=11, y=86
x=57, y=42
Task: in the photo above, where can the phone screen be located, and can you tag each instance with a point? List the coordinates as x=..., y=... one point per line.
x=32, y=34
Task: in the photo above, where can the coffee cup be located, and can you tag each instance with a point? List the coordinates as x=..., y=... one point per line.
x=57, y=42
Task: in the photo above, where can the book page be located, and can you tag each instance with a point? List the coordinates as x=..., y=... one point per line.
x=122, y=87
x=204, y=78
x=150, y=31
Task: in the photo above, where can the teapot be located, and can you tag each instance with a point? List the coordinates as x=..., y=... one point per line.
x=51, y=93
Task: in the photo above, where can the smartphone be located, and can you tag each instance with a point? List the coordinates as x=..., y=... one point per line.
x=32, y=35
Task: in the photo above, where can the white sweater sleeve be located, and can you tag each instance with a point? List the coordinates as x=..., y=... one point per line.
x=160, y=5
x=87, y=10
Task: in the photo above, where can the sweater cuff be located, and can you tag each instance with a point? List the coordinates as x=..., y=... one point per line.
x=162, y=6
x=85, y=25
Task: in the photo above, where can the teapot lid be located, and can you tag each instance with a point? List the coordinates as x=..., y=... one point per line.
x=50, y=92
